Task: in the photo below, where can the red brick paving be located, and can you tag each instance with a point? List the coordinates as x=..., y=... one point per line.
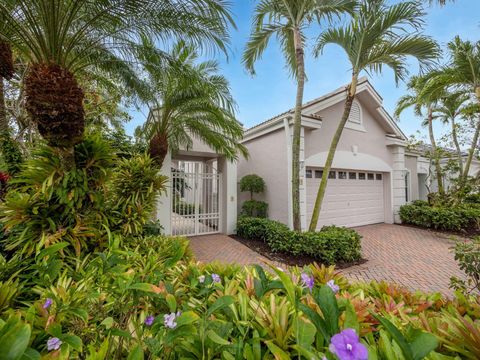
x=415, y=258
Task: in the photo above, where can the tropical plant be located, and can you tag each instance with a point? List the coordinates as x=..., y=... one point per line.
x=420, y=101
x=288, y=20
x=61, y=39
x=462, y=73
x=190, y=101
x=379, y=35
x=448, y=110
x=467, y=254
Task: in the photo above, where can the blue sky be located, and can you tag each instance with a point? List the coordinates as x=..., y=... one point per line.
x=272, y=91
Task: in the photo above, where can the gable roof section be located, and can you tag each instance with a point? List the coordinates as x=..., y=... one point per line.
x=311, y=108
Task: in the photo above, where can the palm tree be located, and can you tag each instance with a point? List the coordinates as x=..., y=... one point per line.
x=420, y=100
x=6, y=72
x=288, y=20
x=448, y=110
x=189, y=100
x=379, y=35
x=463, y=73
x=60, y=39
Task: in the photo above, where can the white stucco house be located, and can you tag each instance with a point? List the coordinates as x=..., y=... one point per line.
x=373, y=172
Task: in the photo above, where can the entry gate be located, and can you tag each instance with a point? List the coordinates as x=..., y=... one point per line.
x=195, y=198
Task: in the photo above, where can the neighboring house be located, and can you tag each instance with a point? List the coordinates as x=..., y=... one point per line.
x=370, y=177
x=373, y=174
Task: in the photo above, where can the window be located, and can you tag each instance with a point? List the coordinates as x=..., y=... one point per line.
x=407, y=186
x=332, y=175
x=308, y=174
x=355, y=114
x=342, y=174
x=352, y=175
x=371, y=176
x=318, y=174
x=361, y=176
x=379, y=176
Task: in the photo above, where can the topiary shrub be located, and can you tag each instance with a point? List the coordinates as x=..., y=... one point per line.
x=330, y=245
x=254, y=184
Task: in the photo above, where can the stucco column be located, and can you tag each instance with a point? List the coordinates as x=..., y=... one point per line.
x=228, y=195
x=289, y=171
x=164, y=202
x=303, y=182
x=398, y=180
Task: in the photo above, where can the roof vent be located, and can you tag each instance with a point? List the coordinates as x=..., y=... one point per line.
x=355, y=113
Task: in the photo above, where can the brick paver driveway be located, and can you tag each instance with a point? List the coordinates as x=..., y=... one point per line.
x=415, y=258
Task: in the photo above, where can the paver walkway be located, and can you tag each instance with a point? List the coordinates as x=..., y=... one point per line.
x=415, y=258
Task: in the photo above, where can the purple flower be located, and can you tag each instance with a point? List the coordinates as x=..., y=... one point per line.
x=307, y=281
x=169, y=320
x=54, y=344
x=216, y=278
x=201, y=279
x=331, y=284
x=346, y=345
x=149, y=320
x=47, y=303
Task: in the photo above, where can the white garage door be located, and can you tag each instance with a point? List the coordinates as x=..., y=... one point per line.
x=352, y=198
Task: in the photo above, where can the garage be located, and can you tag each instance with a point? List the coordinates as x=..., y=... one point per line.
x=352, y=198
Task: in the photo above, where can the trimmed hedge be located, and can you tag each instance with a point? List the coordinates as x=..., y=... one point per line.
x=464, y=217
x=330, y=245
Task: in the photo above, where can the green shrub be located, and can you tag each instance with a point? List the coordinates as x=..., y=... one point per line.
x=254, y=184
x=255, y=208
x=467, y=254
x=454, y=218
x=183, y=208
x=330, y=245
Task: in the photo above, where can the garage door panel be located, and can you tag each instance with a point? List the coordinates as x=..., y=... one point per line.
x=348, y=202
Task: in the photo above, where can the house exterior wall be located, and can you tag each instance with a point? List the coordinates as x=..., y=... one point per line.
x=268, y=159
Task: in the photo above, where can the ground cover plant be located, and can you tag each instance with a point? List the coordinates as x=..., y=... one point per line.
x=330, y=245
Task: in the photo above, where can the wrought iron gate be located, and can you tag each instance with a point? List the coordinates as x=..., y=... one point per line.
x=195, y=198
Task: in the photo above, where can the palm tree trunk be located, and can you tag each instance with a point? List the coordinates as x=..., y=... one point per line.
x=297, y=122
x=352, y=89
x=3, y=110
x=471, y=152
x=457, y=146
x=438, y=169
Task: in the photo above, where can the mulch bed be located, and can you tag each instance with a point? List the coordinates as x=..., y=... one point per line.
x=287, y=259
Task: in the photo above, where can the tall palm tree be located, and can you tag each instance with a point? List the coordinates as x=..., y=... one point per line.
x=288, y=20
x=379, y=35
x=189, y=99
x=62, y=38
x=462, y=73
x=6, y=72
x=448, y=110
x=420, y=100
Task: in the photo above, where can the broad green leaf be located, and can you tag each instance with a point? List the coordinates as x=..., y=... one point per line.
x=220, y=303
x=14, y=339
x=31, y=354
x=226, y=355
x=122, y=333
x=52, y=249
x=422, y=344
x=188, y=317
x=288, y=284
x=212, y=335
x=317, y=320
x=327, y=302
x=136, y=353
x=278, y=353
x=142, y=287
x=307, y=354
x=304, y=332
x=351, y=318
x=172, y=302
x=73, y=341
x=81, y=313
x=107, y=322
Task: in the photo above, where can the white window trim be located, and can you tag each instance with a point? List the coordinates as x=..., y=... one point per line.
x=353, y=125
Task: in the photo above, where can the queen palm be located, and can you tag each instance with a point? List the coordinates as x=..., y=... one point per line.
x=378, y=35
x=462, y=73
x=60, y=39
x=422, y=101
x=448, y=110
x=189, y=100
x=288, y=20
